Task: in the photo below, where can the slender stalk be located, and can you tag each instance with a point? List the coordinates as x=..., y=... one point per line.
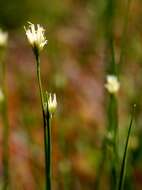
x=124, y=37
x=39, y=81
x=45, y=127
x=112, y=116
x=6, y=177
x=113, y=119
x=113, y=130
x=47, y=155
x=123, y=165
x=101, y=164
x=48, y=131
x=111, y=66
x=109, y=35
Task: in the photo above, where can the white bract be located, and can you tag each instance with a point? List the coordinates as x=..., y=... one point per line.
x=112, y=84
x=36, y=36
x=52, y=103
x=3, y=38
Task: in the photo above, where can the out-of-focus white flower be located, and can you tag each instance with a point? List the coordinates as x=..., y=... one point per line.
x=1, y=96
x=36, y=36
x=112, y=84
x=133, y=142
x=3, y=38
x=52, y=103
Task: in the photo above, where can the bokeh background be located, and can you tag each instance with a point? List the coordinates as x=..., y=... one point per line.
x=74, y=66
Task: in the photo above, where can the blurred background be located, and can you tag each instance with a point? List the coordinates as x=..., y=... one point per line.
x=74, y=66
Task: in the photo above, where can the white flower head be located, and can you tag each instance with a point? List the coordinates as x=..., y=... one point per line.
x=112, y=84
x=52, y=103
x=3, y=38
x=1, y=96
x=36, y=36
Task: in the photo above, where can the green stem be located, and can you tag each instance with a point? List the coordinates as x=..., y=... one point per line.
x=101, y=165
x=45, y=127
x=47, y=161
x=39, y=82
x=113, y=119
x=123, y=165
x=113, y=130
x=124, y=37
x=109, y=35
x=6, y=178
x=48, y=131
x=112, y=69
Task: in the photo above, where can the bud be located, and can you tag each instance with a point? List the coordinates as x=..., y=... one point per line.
x=52, y=103
x=36, y=37
x=3, y=38
x=112, y=84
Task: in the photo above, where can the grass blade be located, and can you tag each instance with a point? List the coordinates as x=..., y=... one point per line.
x=123, y=165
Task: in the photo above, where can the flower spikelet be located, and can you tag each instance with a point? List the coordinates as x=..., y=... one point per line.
x=36, y=36
x=112, y=84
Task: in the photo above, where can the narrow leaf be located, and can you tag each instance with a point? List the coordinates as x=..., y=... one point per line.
x=123, y=165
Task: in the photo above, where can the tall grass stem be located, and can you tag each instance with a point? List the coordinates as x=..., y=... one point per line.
x=123, y=165
x=45, y=127
x=124, y=37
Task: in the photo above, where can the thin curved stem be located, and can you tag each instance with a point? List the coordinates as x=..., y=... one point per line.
x=123, y=165
x=46, y=127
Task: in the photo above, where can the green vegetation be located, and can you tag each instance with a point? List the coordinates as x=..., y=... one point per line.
x=88, y=54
